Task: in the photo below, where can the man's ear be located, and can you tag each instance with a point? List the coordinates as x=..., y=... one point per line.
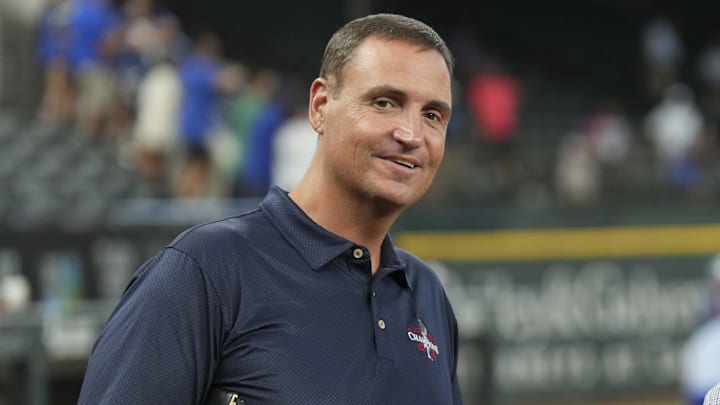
x=319, y=97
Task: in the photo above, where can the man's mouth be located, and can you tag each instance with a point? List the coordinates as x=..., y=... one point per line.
x=404, y=163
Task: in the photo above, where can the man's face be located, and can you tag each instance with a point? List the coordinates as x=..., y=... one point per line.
x=382, y=134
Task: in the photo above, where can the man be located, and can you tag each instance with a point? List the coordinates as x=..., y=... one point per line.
x=305, y=300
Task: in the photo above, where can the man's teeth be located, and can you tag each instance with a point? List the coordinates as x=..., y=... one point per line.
x=404, y=163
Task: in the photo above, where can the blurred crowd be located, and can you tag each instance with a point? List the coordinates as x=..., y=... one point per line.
x=663, y=122
x=194, y=124
x=191, y=122
x=677, y=117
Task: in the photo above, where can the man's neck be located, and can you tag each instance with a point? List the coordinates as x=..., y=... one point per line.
x=356, y=220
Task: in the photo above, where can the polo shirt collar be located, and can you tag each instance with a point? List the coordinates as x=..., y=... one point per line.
x=390, y=260
x=315, y=244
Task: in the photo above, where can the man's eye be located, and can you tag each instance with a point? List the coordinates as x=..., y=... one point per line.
x=383, y=103
x=433, y=116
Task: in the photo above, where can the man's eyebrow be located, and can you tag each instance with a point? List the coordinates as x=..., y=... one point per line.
x=439, y=105
x=386, y=90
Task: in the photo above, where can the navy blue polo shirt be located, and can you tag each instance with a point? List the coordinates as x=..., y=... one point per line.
x=275, y=308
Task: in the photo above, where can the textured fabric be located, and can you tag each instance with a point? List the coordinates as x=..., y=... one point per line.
x=273, y=307
x=713, y=396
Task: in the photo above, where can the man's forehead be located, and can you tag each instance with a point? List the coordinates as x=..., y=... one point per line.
x=373, y=45
x=377, y=41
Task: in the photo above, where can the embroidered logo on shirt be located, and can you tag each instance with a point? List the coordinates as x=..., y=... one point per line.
x=425, y=341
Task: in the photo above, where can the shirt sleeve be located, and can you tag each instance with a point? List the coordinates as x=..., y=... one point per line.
x=161, y=344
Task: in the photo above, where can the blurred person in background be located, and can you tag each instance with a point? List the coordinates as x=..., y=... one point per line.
x=609, y=138
x=675, y=128
x=139, y=37
x=493, y=97
x=155, y=132
x=140, y=19
x=590, y=157
x=96, y=42
x=577, y=173
x=663, y=54
x=262, y=85
x=258, y=161
x=305, y=299
x=53, y=48
x=205, y=78
x=700, y=362
x=293, y=146
x=609, y=133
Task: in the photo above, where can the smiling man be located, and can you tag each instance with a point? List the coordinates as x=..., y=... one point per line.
x=305, y=300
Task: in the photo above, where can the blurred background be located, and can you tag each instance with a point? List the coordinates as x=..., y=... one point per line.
x=574, y=222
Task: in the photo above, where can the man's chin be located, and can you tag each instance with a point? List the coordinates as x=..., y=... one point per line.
x=397, y=198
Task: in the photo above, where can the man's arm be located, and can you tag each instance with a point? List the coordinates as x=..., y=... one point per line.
x=161, y=344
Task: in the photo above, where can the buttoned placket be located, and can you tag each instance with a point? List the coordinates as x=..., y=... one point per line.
x=383, y=290
x=361, y=258
x=385, y=330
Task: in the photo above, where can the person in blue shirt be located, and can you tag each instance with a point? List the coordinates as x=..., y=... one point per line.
x=52, y=57
x=205, y=79
x=256, y=173
x=199, y=75
x=305, y=299
x=95, y=34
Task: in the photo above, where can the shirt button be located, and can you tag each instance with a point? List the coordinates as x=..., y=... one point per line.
x=381, y=324
x=358, y=253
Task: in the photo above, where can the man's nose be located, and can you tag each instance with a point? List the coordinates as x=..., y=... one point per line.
x=407, y=136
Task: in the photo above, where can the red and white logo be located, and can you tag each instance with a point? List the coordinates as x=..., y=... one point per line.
x=425, y=341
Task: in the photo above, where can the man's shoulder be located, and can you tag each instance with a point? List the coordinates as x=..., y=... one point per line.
x=221, y=235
